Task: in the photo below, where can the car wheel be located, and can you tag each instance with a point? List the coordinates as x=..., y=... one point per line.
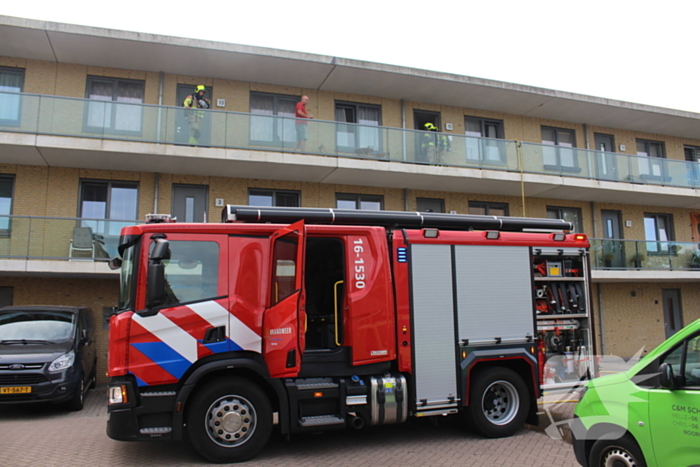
x=78, y=400
x=93, y=378
x=229, y=421
x=498, y=402
x=622, y=452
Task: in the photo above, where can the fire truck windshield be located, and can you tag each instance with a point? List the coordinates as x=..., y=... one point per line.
x=126, y=283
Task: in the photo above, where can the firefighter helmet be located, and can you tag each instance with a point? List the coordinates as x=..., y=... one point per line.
x=201, y=87
x=430, y=127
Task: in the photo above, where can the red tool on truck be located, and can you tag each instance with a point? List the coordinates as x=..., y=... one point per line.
x=317, y=319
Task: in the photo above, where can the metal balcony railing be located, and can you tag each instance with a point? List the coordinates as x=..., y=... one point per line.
x=644, y=255
x=123, y=121
x=60, y=238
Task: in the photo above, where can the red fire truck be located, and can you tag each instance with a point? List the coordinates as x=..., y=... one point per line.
x=304, y=320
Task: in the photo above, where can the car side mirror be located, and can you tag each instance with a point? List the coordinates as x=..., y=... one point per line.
x=666, y=377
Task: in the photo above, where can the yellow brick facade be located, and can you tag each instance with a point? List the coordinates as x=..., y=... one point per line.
x=54, y=191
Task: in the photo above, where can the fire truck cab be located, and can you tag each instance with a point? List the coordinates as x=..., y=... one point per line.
x=317, y=319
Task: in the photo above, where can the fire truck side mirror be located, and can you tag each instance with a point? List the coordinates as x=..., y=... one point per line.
x=156, y=273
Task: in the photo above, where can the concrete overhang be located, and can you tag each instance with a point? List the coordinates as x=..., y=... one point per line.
x=57, y=151
x=652, y=275
x=56, y=269
x=66, y=43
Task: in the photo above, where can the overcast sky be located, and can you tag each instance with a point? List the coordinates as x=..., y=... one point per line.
x=636, y=51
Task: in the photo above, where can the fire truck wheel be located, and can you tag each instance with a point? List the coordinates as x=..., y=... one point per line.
x=498, y=402
x=229, y=421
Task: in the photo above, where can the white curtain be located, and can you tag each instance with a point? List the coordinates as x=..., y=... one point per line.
x=368, y=137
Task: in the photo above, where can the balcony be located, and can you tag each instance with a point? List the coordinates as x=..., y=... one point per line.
x=51, y=246
x=69, y=132
x=642, y=260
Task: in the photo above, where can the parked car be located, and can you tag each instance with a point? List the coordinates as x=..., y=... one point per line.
x=648, y=415
x=47, y=354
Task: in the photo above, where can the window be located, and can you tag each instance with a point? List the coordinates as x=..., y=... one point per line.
x=572, y=215
x=651, y=164
x=488, y=209
x=658, y=229
x=561, y=157
x=486, y=150
x=285, y=267
x=11, y=84
x=692, y=154
x=362, y=137
x=191, y=272
x=430, y=205
x=685, y=361
x=274, y=129
x=6, y=194
x=258, y=197
x=108, y=200
x=121, y=110
x=6, y=294
x=364, y=202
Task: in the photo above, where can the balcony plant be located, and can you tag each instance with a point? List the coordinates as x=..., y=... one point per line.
x=608, y=259
x=637, y=260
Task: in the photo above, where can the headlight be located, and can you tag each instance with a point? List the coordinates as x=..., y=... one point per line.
x=63, y=362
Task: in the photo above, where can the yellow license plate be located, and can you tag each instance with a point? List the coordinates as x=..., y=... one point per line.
x=16, y=390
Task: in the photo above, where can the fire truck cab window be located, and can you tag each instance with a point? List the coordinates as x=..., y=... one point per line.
x=192, y=271
x=325, y=293
x=284, y=268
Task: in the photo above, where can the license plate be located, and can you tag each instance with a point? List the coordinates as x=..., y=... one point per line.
x=16, y=390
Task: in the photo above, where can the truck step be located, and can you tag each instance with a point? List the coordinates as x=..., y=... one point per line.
x=316, y=385
x=161, y=430
x=321, y=420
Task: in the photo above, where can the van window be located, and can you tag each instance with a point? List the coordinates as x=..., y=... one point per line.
x=685, y=361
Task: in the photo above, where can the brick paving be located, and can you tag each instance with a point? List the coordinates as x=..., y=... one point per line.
x=49, y=436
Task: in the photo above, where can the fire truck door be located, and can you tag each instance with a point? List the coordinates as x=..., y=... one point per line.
x=284, y=320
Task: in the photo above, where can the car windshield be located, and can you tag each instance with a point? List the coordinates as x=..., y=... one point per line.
x=46, y=326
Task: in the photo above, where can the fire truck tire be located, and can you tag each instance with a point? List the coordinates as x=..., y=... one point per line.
x=498, y=402
x=229, y=421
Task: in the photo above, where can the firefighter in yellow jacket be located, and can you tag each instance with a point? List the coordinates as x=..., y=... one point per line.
x=194, y=103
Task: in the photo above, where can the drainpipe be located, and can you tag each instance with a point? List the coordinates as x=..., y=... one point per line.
x=600, y=320
x=156, y=183
x=160, y=104
x=403, y=126
x=405, y=199
x=588, y=146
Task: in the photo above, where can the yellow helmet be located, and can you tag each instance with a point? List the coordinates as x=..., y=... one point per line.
x=429, y=126
x=201, y=87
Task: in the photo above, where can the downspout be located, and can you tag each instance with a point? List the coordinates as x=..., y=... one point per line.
x=600, y=320
x=160, y=105
x=519, y=151
x=405, y=199
x=156, y=183
x=588, y=146
x=403, y=127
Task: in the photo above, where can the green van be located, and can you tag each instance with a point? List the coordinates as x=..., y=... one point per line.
x=648, y=415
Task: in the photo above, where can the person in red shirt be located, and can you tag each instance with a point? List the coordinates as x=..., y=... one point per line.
x=302, y=115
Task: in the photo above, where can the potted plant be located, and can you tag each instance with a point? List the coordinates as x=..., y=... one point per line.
x=637, y=260
x=608, y=259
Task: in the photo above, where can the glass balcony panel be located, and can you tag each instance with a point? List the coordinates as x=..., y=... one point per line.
x=643, y=254
x=131, y=121
x=74, y=239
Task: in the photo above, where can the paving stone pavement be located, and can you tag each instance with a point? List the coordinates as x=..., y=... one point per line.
x=49, y=436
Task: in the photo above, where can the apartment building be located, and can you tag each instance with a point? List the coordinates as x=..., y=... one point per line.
x=93, y=137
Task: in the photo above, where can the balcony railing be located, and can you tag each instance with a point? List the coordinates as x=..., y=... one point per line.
x=61, y=116
x=644, y=254
x=54, y=238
